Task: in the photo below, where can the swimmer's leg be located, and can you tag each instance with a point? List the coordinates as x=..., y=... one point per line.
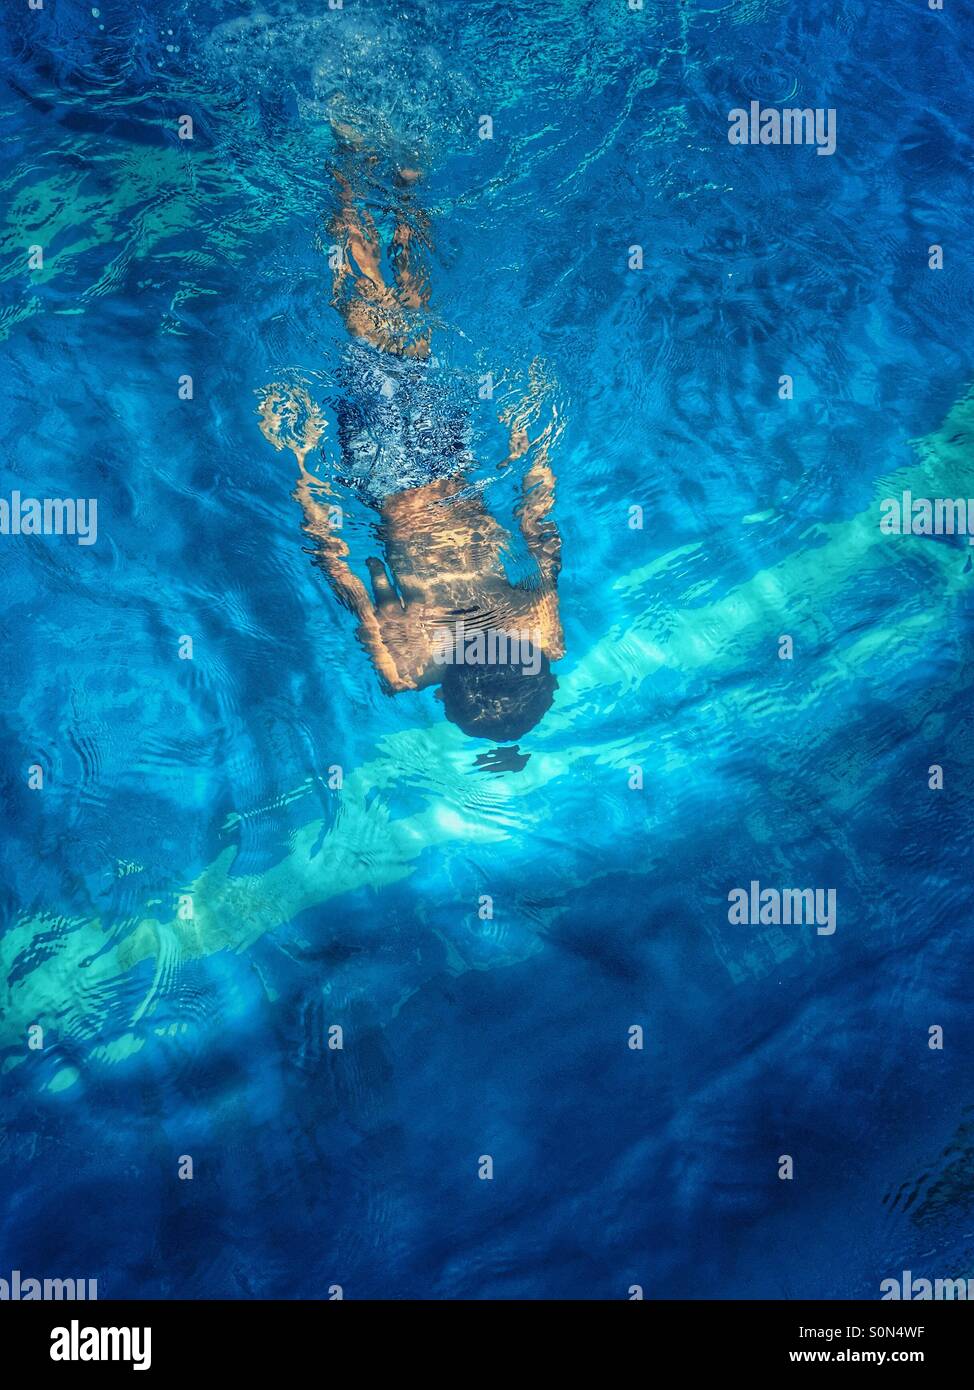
x=372, y=309
x=412, y=229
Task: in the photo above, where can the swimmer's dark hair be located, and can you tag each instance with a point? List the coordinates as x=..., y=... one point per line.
x=499, y=701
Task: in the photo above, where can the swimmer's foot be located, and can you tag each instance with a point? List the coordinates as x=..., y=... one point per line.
x=347, y=135
x=350, y=138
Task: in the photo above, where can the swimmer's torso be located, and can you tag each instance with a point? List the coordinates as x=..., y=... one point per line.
x=445, y=554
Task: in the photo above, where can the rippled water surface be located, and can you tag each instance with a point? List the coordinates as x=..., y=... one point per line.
x=212, y=779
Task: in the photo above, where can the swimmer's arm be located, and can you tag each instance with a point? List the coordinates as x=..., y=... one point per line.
x=534, y=511
x=330, y=554
x=543, y=537
x=552, y=636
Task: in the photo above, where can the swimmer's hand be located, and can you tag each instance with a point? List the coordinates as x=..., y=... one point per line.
x=397, y=684
x=370, y=635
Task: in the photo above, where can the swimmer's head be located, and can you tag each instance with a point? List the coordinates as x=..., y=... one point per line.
x=500, y=701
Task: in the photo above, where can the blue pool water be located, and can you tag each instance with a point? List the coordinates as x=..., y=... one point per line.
x=314, y=906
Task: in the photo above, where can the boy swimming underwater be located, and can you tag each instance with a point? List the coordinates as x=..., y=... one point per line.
x=403, y=451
